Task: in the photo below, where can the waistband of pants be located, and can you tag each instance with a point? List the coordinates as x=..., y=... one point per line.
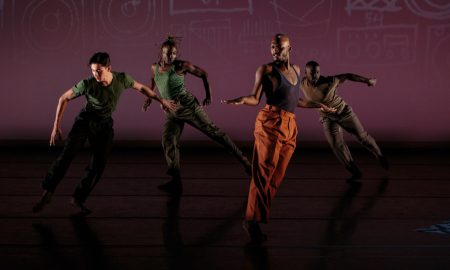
x=279, y=110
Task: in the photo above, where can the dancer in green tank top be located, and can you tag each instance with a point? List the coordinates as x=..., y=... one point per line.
x=168, y=75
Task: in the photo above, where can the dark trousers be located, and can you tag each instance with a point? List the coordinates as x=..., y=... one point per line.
x=347, y=120
x=100, y=134
x=189, y=111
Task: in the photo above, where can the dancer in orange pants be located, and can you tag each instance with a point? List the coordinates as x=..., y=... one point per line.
x=275, y=131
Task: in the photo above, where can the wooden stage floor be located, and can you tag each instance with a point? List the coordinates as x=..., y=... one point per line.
x=398, y=219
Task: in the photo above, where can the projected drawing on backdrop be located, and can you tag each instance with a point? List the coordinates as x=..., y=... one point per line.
x=438, y=55
x=215, y=34
x=375, y=9
x=431, y=9
x=253, y=35
x=128, y=19
x=2, y=15
x=312, y=19
x=203, y=6
x=49, y=26
x=372, y=5
x=384, y=45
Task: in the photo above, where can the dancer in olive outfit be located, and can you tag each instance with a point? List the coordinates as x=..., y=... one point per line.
x=275, y=131
x=322, y=89
x=168, y=75
x=93, y=123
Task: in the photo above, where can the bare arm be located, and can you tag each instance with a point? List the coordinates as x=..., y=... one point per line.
x=145, y=90
x=60, y=108
x=310, y=104
x=356, y=78
x=255, y=97
x=201, y=73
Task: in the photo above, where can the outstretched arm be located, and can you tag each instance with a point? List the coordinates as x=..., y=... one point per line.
x=310, y=104
x=62, y=104
x=201, y=73
x=356, y=78
x=254, y=98
x=145, y=90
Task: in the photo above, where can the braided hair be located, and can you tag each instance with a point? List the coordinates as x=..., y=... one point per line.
x=171, y=41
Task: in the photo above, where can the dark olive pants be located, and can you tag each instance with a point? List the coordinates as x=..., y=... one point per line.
x=347, y=120
x=100, y=134
x=190, y=112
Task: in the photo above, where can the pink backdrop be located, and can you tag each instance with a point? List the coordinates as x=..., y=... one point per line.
x=404, y=44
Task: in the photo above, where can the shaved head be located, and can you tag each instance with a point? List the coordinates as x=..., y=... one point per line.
x=280, y=39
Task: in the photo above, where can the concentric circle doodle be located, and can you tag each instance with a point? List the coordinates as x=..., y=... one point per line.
x=50, y=25
x=127, y=19
x=429, y=9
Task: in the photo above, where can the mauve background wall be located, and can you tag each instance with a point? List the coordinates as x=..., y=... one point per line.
x=404, y=44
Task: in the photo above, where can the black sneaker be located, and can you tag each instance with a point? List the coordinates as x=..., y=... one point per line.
x=254, y=232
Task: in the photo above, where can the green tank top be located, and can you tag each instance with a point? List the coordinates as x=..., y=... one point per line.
x=169, y=83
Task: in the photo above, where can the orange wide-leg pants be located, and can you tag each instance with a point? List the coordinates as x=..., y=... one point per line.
x=275, y=141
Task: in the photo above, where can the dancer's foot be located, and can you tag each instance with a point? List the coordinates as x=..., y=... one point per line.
x=356, y=174
x=83, y=209
x=45, y=199
x=384, y=162
x=253, y=231
x=173, y=186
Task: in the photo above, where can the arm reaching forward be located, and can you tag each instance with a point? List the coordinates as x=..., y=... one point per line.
x=254, y=98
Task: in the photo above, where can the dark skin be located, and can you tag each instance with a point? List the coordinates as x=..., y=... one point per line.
x=312, y=74
x=168, y=59
x=266, y=80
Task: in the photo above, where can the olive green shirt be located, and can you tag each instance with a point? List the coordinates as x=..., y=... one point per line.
x=169, y=83
x=101, y=100
x=325, y=92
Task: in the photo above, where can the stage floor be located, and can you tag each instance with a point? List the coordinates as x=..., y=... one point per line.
x=398, y=219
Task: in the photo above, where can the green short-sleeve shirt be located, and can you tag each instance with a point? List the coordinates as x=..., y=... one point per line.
x=101, y=100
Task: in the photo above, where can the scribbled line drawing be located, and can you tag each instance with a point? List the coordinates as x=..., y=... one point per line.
x=2, y=15
x=125, y=19
x=42, y=21
x=429, y=8
x=253, y=35
x=386, y=45
x=372, y=5
x=257, y=29
x=441, y=228
x=204, y=6
x=313, y=18
x=129, y=8
x=438, y=54
x=216, y=34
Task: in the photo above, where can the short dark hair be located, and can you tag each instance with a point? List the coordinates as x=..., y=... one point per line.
x=312, y=64
x=101, y=58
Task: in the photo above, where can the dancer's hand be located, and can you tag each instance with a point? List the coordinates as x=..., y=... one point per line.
x=168, y=105
x=56, y=135
x=236, y=101
x=372, y=82
x=207, y=101
x=327, y=109
x=146, y=104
